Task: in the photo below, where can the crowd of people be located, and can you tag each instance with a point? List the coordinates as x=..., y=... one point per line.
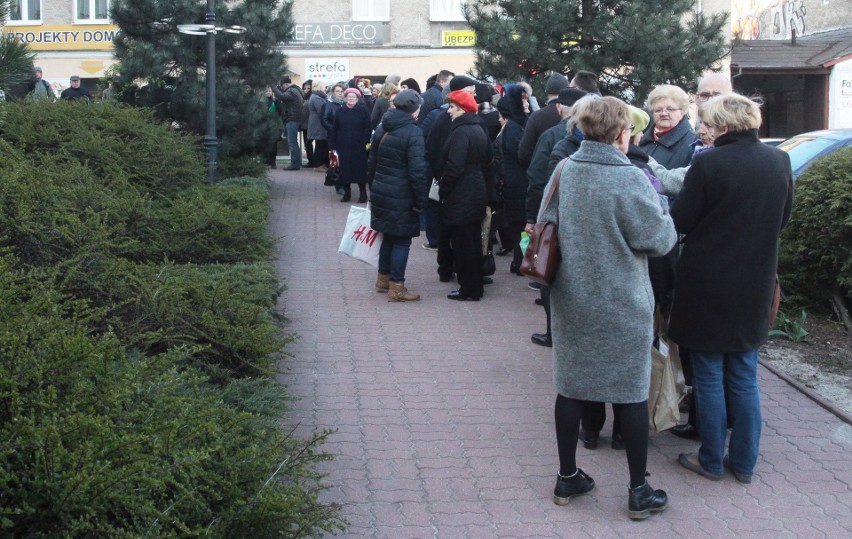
x=657, y=218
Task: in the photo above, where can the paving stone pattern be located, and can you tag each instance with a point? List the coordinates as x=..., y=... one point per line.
x=443, y=411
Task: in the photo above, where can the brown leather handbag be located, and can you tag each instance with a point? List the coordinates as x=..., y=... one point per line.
x=542, y=257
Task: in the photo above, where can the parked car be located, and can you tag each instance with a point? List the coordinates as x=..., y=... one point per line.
x=807, y=147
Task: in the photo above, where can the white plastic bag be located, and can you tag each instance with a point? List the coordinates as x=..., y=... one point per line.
x=359, y=240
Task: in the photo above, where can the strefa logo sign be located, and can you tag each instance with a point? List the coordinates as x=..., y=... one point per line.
x=327, y=69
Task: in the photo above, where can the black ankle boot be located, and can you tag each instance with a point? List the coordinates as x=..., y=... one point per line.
x=575, y=485
x=347, y=194
x=644, y=500
x=362, y=198
x=589, y=438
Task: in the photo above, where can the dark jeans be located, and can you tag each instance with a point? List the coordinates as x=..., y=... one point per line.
x=466, y=244
x=594, y=417
x=309, y=148
x=512, y=236
x=433, y=222
x=321, y=153
x=393, y=257
x=292, y=129
x=634, y=431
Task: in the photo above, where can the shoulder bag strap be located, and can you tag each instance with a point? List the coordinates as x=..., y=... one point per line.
x=554, y=186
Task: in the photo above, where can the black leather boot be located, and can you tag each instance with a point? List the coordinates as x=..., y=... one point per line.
x=644, y=500
x=347, y=193
x=589, y=438
x=575, y=485
x=362, y=194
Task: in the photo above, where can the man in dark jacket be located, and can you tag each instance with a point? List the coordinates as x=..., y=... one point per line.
x=290, y=98
x=396, y=170
x=542, y=119
x=75, y=92
x=433, y=98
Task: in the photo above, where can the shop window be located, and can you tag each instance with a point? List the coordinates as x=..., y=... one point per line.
x=91, y=11
x=370, y=10
x=24, y=11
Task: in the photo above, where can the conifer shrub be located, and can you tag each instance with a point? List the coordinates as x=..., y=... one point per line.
x=816, y=246
x=118, y=143
x=99, y=442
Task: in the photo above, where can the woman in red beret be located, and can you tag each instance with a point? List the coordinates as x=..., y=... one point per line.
x=463, y=194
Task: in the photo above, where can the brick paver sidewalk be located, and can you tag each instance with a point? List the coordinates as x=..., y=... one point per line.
x=444, y=411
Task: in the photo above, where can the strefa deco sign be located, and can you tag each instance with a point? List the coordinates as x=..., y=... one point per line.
x=65, y=37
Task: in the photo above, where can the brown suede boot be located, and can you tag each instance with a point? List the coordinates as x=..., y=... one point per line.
x=398, y=292
x=382, y=282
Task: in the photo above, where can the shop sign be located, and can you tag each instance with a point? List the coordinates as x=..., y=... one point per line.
x=327, y=69
x=65, y=37
x=340, y=34
x=458, y=38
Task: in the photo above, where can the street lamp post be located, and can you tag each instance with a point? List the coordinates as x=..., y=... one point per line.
x=211, y=143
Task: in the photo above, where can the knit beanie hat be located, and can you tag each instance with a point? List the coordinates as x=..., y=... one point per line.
x=555, y=83
x=569, y=96
x=411, y=84
x=393, y=79
x=461, y=81
x=464, y=100
x=407, y=100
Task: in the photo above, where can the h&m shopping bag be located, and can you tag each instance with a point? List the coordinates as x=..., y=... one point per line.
x=359, y=240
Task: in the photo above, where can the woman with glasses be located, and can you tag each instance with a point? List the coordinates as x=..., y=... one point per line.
x=668, y=139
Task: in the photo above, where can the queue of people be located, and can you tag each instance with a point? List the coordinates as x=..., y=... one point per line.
x=656, y=221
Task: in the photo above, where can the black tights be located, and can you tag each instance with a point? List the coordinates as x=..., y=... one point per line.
x=634, y=431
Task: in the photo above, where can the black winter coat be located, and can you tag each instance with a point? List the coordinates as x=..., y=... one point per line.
x=349, y=136
x=433, y=98
x=467, y=159
x=290, y=103
x=514, y=175
x=537, y=172
x=397, y=171
x=735, y=200
x=380, y=107
x=539, y=122
x=564, y=148
x=674, y=149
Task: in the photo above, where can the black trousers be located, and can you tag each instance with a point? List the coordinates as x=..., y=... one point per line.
x=309, y=148
x=321, y=153
x=466, y=249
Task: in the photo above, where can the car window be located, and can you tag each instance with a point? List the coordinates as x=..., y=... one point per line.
x=803, y=149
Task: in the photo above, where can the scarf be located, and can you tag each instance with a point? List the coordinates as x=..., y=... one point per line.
x=659, y=133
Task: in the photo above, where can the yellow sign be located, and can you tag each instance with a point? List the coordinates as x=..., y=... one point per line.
x=458, y=38
x=65, y=37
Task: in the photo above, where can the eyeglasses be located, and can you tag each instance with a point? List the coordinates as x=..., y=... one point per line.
x=704, y=96
x=667, y=110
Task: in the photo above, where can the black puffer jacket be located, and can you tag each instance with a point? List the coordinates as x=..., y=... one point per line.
x=564, y=148
x=468, y=156
x=290, y=103
x=397, y=171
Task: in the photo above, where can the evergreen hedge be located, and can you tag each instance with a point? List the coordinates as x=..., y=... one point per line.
x=139, y=336
x=816, y=246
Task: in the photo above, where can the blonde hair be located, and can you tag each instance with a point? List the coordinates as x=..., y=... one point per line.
x=317, y=85
x=388, y=89
x=601, y=118
x=734, y=111
x=668, y=91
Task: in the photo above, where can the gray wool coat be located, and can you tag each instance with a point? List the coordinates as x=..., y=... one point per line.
x=610, y=222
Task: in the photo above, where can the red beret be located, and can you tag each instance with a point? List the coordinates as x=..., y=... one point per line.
x=464, y=100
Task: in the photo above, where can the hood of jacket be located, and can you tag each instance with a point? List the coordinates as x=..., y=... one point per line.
x=395, y=118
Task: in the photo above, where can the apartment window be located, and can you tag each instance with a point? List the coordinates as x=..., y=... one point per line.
x=446, y=10
x=91, y=11
x=24, y=11
x=370, y=10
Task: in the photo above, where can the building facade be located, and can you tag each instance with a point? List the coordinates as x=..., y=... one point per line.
x=334, y=39
x=340, y=39
x=69, y=37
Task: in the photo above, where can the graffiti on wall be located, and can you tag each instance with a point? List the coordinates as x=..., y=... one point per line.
x=767, y=19
x=786, y=16
x=745, y=18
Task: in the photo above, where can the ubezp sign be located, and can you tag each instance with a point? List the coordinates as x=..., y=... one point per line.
x=340, y=34
x=65, y=37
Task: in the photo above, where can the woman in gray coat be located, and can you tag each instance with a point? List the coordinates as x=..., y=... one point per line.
x=610, y=221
